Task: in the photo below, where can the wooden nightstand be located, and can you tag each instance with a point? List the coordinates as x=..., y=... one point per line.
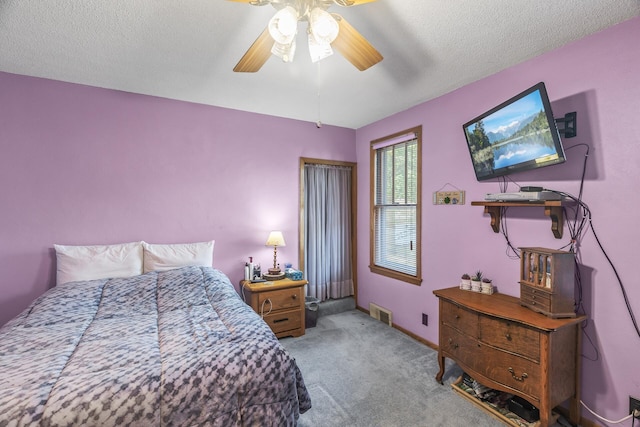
x=280, y=303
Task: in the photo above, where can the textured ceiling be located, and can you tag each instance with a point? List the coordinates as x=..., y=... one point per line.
x=186, y=50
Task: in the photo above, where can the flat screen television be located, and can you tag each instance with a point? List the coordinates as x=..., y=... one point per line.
x=518, y=135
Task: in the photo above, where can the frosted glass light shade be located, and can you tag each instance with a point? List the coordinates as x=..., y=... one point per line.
x=284, y=25
x=318, y=51
x=323, y=26
x=286, y=52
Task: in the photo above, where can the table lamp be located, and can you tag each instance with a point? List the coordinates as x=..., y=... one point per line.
x=275, y=239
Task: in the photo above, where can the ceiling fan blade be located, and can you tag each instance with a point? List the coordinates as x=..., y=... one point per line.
x=257, y=54
x=348, y=3
x=244, y=1
x=353, y=46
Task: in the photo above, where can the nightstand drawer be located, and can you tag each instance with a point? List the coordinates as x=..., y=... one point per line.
x=280, y=303
x=280, y=299
x=284, y=320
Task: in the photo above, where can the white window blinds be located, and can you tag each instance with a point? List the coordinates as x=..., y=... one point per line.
x=396, y=205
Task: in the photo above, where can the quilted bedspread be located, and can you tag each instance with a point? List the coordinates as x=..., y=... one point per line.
x=172, y=348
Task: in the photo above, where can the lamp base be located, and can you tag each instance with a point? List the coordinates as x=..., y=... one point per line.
x=272, y=277
x=274, y=271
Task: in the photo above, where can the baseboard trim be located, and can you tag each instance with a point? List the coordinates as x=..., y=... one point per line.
x=404, y=331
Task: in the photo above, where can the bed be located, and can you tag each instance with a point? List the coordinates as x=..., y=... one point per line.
x=165, y=348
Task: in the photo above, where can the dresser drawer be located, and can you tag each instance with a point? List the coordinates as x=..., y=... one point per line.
x=510, y=336
x=280, y=299
x=459, y=346
x=535, y=298
x=284, y=320
x=511, y=370
x=458, y=318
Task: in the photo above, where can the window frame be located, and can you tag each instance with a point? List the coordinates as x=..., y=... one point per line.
x=387, y=141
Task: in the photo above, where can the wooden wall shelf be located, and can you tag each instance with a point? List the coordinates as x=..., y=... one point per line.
x=552, y=209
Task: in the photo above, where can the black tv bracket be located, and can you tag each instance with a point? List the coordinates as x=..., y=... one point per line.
x=568, y=129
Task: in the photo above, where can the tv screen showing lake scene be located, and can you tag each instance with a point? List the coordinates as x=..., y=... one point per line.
x=517, y=135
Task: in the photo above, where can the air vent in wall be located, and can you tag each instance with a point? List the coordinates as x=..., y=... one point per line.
x=382, y=314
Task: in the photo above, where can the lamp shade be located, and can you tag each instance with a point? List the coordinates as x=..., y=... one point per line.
x=275, y=239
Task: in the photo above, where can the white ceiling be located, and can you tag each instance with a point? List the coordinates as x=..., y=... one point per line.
x=186, y=50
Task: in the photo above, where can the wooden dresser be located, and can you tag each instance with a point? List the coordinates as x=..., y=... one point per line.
x=280, y=303
x=511, y=348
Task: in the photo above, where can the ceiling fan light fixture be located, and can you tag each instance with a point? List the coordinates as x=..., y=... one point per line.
x=318, y=50
x=323, y=26
x=284, y=25
x=286, y=52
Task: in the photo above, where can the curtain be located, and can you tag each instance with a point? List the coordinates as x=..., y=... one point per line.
x=327, y=231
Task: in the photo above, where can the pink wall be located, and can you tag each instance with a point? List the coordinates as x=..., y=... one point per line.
x=82, y=165
x=598, y=78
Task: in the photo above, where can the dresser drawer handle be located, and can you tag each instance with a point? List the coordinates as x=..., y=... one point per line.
x=508, y=337
x=294, y=296
x=451, y=343
x=513, y=375
x=286, y=319
x=457, y=316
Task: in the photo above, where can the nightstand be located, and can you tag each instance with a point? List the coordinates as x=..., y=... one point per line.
x=280, y=303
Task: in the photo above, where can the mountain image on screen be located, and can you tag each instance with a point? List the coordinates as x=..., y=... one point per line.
x=514, y=135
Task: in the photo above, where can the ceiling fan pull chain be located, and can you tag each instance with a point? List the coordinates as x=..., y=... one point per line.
x=319, y=122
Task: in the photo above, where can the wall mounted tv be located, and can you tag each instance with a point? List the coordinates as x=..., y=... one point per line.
x=519, y=134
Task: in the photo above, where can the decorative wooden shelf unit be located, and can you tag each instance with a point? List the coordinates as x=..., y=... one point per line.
x=552, y=209
x=547, y=281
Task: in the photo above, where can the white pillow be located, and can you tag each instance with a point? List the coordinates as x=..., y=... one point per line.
x=76, y=263
x=168, y=257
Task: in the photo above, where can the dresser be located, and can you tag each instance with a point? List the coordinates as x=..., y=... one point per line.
x=280, y=303
x=511, y=348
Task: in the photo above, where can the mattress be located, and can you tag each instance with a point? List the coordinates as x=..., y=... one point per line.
x=171, y=348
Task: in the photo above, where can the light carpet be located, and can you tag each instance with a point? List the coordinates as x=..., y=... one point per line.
x=361, y=372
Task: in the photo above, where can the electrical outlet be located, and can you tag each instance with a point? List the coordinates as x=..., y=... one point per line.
x=425, y=319
x=634, y=405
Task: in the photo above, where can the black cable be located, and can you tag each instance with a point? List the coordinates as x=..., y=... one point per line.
x=587, y=213
x=505, y=233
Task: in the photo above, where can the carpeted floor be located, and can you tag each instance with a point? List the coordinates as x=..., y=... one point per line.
x=361, y=372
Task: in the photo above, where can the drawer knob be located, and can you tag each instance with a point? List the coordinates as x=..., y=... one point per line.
x=517, y=378
x=457, y=316
x=294, y=296
x=508, y=337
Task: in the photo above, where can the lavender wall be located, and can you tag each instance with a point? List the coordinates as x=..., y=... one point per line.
x=82, y=165
x=598, y=78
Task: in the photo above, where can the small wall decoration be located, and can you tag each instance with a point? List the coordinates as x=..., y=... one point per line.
x=448, y=197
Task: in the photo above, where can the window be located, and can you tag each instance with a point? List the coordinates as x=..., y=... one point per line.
x=395, y=206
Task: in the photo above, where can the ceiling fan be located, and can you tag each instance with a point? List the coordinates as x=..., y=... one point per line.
x=326, y=31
